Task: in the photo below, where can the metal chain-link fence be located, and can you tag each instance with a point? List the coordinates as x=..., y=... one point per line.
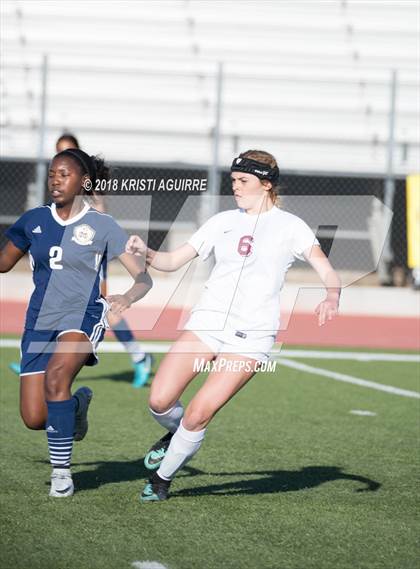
x=337, y=207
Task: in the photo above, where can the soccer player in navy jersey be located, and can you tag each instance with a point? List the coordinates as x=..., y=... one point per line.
x=142, y=361
x=69, y=243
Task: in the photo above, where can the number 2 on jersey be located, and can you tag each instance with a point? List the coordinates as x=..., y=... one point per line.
x=56, y=254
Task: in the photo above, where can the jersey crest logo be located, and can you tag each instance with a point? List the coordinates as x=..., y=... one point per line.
x=83, y=234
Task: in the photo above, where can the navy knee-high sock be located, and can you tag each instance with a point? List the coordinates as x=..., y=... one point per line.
x=60, y=431
x=122, y=332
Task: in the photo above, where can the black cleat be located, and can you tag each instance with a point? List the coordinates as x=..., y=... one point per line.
x=156, y=490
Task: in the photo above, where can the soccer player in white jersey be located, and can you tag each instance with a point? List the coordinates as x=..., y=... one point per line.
x=69, y=243
x=237, y=316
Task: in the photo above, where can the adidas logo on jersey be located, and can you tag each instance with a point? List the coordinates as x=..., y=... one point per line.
x=37, y=229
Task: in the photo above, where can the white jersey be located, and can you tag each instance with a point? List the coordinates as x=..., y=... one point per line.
x=252, y=256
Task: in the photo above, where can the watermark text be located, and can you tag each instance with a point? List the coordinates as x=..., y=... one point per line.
x=237, y=365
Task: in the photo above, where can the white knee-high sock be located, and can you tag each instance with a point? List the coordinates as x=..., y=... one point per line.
x=170, y=419
x=184, y=445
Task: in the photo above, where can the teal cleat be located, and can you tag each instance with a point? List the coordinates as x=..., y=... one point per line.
x=148, y=494
x=15, y=367
x=142, y=371
x=156, y=490
x=157, y=452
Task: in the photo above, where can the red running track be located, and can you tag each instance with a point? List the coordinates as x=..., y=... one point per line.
x=345, y=331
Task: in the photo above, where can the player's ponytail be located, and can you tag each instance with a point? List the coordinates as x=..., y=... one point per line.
x=103, y=171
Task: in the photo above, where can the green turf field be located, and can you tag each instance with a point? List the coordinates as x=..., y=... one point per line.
x=287, y=478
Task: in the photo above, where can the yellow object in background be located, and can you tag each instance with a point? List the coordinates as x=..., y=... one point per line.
x=413, y=220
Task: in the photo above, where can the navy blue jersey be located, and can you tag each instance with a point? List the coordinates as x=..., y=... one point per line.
x=67, y=258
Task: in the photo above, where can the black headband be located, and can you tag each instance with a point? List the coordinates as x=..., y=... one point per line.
x=259, y=169
x=83, y=159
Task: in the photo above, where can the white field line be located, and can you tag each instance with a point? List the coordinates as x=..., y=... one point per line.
x=363, y=413
x=352, y=356
x=147, y=565
x=348, y=378
x=109, y=347
x=163, y=347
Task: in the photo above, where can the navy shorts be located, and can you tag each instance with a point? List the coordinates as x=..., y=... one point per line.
x=37, y=346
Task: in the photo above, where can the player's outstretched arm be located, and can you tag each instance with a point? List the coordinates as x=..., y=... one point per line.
x=9, y=256
x=142, y=284
x=328, y=308
x=167, y=262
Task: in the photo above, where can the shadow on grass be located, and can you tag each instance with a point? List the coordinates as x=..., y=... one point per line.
x=268, y=481
x=110, y=472
x=274, y=481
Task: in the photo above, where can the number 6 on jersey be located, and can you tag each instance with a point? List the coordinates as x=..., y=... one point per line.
x=245, y=245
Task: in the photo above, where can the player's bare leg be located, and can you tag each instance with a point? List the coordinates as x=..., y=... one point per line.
x=221, y=385
x=218, y=389
x=175, y=372
x=33, y=408
x=73, y=349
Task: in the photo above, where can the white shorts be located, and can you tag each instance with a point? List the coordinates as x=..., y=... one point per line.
x=255, y=345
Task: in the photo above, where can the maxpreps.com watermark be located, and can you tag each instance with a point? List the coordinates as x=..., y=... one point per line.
x=200, y=365
x=138, y=185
